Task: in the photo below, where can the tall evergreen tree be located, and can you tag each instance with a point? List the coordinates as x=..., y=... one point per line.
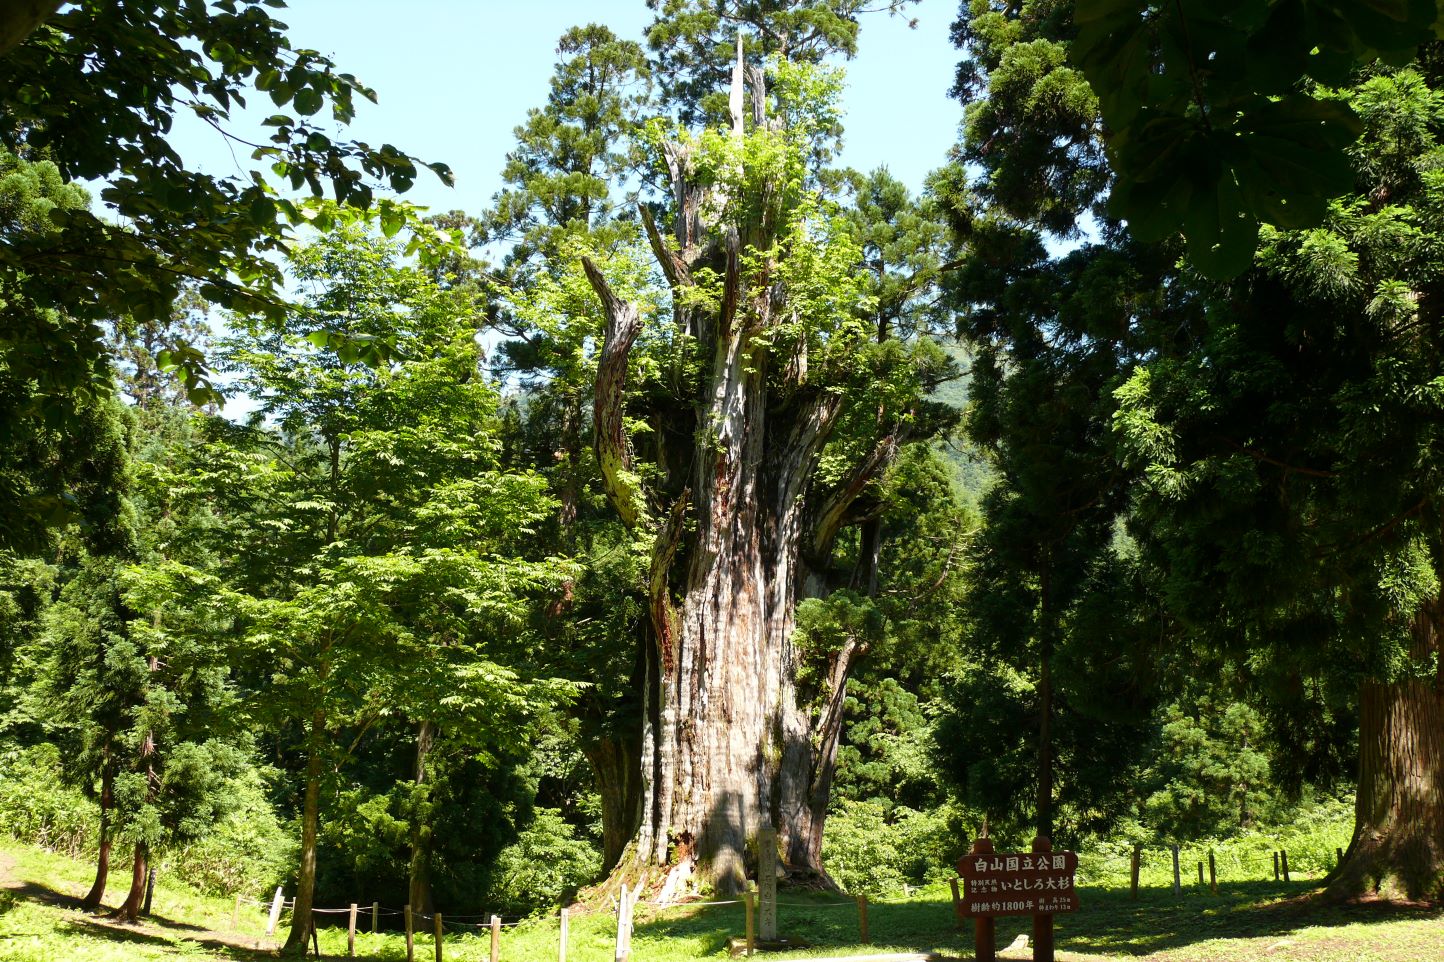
x=748, y=474
x=564, y=185
x=1243, y=416
x=90, y=679
x=1291, y=463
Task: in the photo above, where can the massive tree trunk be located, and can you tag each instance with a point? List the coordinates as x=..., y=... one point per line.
x=618, y=768
x=729, y=744
x=96, y=895
x=1398, y=844
x=301, y=919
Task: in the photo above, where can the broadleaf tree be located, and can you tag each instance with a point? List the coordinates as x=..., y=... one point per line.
x=92, y=92
x=380, y=561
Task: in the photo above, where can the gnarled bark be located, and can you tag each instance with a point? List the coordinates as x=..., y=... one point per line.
x=729, y=744
x=1398, y=844
x=624, y=323
x=617, y=766
x=805, y=800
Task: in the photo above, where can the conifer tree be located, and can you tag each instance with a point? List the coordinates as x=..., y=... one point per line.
x=90, y=678
x=762, y=371
x=1244, y=418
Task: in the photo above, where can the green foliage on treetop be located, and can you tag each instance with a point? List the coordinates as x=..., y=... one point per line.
x=561, y=176
x=1214, y=118
x=145, y=64
x=384, y=490
x=1320, y=385
x=695, y=43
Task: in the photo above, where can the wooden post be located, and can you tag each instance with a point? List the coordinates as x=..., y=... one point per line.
x=1284, y=861
x=1212, y=874
x=562, y=944
x=767, y=883
x=375, y=917
x=1043, y=921
x=1177, y=885
x=1276, y=866
x=149, y=891
x=985, y=934
x=496, y=938
x=1200, y=873
x=749, y=900
x=351, y=932
x=957, y=900
x=440, y=936
x=236, y=914
x=624, y=923
x=862, y=919
x=1338, y=857
x=275, y=912
x=985, y=938
x=410, y=937
x=1133, y=865
x=619, y=950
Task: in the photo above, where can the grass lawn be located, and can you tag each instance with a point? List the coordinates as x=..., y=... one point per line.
x=1246, y=921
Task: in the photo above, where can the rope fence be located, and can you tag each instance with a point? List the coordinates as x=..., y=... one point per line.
x=1275, y=865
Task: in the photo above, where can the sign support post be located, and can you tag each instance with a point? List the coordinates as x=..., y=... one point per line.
x=1039, y=883
x=985, y=939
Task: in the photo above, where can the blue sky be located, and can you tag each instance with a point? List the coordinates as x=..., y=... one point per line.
x=454, y=77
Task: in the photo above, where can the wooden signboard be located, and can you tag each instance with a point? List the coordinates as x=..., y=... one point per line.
x=1037, y=883
x=1023, y=883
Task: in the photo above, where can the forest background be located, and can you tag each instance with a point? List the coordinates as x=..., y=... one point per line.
x=1103, y=536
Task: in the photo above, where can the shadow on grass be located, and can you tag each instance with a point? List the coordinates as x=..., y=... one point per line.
x=820, y=920
x=1108, y=922
x=124, y=934
x=152, y=930
x=24, y=890
x=17, y=891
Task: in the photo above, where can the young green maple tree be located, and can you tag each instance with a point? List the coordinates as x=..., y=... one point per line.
x=374, y=555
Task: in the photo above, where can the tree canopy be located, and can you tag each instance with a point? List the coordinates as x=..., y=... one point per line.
x=701, y=485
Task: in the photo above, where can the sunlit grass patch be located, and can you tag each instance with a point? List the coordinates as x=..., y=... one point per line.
x=1245, y=921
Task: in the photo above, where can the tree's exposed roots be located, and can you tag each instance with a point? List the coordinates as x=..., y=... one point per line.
x=1404, y=869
